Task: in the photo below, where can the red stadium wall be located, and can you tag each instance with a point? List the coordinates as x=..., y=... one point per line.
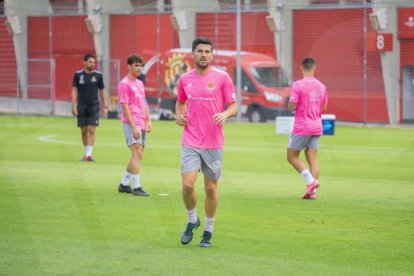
x=8, y=68
x=407, y=52
x=70, y=42
x=406, y=36
x=138, y=34
x=256, y=36
x=335, y=38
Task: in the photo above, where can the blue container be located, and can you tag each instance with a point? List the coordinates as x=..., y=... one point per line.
x=328, y=124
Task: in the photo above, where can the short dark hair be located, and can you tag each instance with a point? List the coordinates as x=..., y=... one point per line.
x=88, y=56
x=135, y=58
x=308, y=63
x=201, y=40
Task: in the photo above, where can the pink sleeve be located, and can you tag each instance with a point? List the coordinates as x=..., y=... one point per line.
x=294, y=93
x=229, y=92
x=181, y=96
x=325, y=96
x=123, y=93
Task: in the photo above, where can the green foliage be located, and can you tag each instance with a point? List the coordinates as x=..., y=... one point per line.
x=62, y=216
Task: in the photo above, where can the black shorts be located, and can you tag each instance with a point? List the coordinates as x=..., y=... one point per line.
x=88, y=115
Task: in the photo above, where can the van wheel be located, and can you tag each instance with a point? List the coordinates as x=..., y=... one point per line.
x=256, y=115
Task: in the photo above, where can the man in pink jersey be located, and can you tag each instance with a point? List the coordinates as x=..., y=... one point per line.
x=136, y=123
x=203, y=94
x=308, y=100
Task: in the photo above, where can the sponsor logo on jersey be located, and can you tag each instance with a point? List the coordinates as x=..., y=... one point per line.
x=314, y=96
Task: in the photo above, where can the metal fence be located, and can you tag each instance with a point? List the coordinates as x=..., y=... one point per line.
x=360, y=65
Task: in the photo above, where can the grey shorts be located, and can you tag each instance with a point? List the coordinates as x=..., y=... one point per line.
x=206, y=160
x=301, y=142
x=129, y=138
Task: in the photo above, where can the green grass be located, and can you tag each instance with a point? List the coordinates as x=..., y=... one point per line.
x=61, y=216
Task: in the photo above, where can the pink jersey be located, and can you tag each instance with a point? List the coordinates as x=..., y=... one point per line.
x=310, y=95
x=132, y=93
x=205, y=96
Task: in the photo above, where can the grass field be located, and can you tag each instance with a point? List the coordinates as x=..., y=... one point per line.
x=61, y=216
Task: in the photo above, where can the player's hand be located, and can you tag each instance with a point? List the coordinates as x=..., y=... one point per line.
x=148, y=127
x=105, y=111
x=74, y=111
x=219, y=118
x=136, y=133
x=181, y=120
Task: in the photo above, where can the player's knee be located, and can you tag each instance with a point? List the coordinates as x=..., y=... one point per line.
x=211, y=191
x=290, y=158
x=188, y=187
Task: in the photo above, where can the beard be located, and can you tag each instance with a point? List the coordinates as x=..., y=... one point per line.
x=202, y=65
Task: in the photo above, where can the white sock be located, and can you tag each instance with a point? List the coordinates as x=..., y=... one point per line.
x=209, y=224
x=126, y=178
x=307, y=176
x=135, y=180
x=192, y=215
x=88, y=150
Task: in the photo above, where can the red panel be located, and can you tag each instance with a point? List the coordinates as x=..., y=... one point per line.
x=123, y=32
x=70, y=42
x=38, y=39
x=407, y=52
x=256, y=36
x=406, y=59
x=337, y=46
x=66, y=66
x=70, y=35
x=340, y=101
x=138, y=34
x=8, y=69
x=406, y=22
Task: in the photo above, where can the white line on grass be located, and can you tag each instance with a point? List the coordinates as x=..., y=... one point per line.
x=279, y=147
x=51, y=138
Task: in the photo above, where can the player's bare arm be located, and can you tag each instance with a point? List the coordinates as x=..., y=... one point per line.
x=148, y=125
x=221, y=118
x=180, y=110
x=74, y=101
x=292, y=107
x=135, y=131
x=104, y=102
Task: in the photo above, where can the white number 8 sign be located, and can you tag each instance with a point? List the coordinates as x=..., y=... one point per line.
x=380, y=42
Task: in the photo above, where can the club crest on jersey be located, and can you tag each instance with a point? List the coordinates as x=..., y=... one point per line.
x=93, y=79
x=210, y=85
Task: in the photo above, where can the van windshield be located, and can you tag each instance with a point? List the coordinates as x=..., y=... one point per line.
x=270, y=76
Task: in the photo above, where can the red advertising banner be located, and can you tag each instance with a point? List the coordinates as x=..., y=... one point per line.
x=405, y=23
